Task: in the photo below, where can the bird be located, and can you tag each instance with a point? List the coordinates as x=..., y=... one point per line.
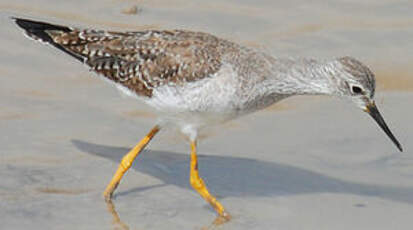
x=195, y=80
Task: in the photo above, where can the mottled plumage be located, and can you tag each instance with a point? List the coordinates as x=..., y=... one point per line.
x=142, y=61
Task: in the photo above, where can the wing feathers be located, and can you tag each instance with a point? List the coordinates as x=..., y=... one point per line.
x=140, y=61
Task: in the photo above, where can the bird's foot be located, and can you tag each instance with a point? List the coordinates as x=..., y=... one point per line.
x=222, y=219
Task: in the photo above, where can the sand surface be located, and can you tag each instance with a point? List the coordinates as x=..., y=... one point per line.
x=306, y=163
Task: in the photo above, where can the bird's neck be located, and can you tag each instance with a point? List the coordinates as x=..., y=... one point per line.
x=302, y=77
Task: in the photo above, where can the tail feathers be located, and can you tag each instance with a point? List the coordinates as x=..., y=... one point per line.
x=39, y=32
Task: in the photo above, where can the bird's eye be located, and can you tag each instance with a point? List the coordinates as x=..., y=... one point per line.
x=356, y=90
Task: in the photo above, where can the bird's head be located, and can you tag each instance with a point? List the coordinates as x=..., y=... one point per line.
x=356, y=82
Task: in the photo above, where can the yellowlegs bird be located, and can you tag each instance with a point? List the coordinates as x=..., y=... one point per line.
x=195, y=80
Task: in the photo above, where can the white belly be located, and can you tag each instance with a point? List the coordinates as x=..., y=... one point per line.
x=210, y=100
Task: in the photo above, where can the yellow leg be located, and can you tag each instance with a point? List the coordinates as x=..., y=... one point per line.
x=199, y=185
x=126, y=163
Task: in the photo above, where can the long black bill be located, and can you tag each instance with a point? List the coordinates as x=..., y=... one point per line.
x=375, y=114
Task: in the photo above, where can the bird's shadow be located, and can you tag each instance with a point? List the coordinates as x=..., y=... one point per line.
x=238, y=176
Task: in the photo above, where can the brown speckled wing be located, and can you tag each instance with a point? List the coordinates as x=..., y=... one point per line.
x=142, y=61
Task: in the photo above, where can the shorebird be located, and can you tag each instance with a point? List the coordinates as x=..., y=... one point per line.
x=196, y=79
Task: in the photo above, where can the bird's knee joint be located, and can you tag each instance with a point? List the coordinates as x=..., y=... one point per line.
x=126, y=162
x=195, y=183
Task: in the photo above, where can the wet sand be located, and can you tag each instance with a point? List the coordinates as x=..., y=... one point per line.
x=306, y=163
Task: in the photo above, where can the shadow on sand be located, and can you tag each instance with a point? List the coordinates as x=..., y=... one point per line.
x=236, y=176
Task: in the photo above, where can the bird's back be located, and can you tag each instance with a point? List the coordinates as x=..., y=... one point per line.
x=139, y=61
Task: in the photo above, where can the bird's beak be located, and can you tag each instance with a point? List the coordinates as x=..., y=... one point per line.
x=371, y=109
